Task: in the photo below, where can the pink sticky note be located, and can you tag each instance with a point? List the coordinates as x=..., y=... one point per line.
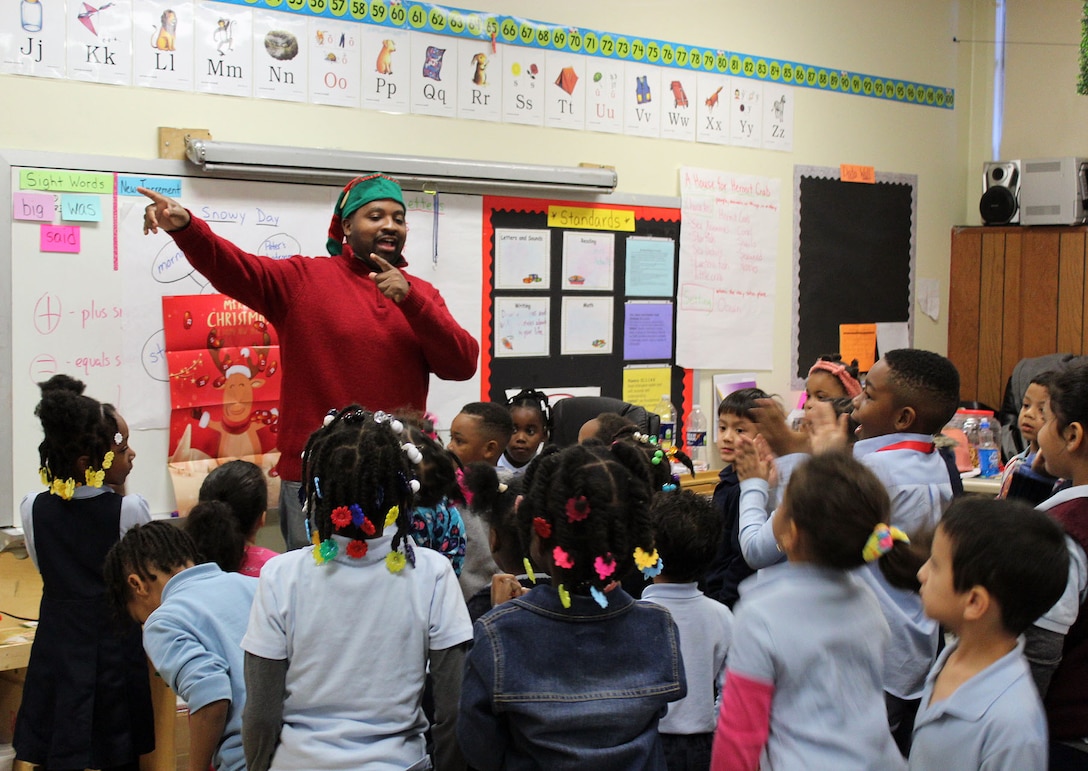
x=60, y=238
x=33, y=206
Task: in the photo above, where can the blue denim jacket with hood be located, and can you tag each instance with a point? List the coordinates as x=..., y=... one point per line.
x=569, y=688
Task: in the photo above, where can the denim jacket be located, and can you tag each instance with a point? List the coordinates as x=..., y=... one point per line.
x=569, y=688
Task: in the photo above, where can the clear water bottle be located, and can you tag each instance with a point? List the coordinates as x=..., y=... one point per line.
x=970, y=430
x=695, y=438
x=664, y=409
x=988, y=465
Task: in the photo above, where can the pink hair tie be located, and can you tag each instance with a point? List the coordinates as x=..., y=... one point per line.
x=838, y=371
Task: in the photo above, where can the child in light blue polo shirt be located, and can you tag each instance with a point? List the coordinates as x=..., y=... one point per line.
x=687, y=531
x=995, y=566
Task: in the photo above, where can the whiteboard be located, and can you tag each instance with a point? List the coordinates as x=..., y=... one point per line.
x=97, y=314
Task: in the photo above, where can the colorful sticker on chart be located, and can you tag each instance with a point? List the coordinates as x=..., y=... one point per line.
x=38, y=207
x=80, y=208
x=60, y=238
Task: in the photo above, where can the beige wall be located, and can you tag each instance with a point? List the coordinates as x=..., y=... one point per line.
x=911, y=39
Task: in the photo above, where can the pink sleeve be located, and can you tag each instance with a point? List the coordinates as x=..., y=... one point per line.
x=744, y=721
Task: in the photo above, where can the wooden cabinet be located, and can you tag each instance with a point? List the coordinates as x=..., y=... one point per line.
x=1014, y=292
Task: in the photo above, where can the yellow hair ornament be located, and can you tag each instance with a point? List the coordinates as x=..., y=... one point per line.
x=316, y=539
x=44, y=476
x=94, y=478
x=107, y=460
x=391, y=517
x=64, y=488
x=395, y=561
x=529, y=569
x=564, y=596
x=645, y=560
x=881, y=541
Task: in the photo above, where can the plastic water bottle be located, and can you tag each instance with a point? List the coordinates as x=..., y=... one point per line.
x=987, y=451
x=695, y=438
x=667, y=413
x=970, y=430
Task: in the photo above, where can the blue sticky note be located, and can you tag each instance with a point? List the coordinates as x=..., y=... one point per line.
x=650, y=263
x=168, y=186
x=80, y=208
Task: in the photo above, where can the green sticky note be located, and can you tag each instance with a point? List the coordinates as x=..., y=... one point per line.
x=54, y=181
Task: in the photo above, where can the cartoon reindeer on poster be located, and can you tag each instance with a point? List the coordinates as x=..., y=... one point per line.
x=240, y=424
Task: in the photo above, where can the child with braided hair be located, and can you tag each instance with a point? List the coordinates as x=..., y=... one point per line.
x=436, y=517
x=532, y=418
x=86, y=701
x=576, y=674
x=194, y=616
x=360, y=593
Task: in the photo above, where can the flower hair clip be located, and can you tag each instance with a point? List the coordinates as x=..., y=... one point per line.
x=605, y=565
x=648, y=562
x=107, y=460
x=118, y=438
x=881, y=541
x=577, y=509
x=542, y=527
x=562, y=558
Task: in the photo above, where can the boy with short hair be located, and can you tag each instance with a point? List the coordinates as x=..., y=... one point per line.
x=908, y=396
x=687, y=530
x=727, y=568
x=479, y=433
x=995, y=567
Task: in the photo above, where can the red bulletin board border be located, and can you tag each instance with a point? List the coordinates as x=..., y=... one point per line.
x=492, y=204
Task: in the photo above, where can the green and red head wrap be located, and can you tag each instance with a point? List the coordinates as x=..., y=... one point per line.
x=359, y=192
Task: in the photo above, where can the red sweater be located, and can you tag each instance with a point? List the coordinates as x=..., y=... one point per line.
x=341, y=340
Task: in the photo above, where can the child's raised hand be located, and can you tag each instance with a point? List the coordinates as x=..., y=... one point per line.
x=829, y=431
x=782, y=439
x=505, y=586
x=163, y=212
x=749, y=462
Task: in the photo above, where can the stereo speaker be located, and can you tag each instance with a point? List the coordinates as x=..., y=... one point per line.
x=1000, y=203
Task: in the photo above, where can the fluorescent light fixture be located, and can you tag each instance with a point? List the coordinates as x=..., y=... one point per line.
x=232, y=160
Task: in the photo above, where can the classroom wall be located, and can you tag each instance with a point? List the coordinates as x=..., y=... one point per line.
x=911, y=39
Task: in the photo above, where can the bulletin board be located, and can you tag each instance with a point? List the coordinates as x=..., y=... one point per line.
x=83, y=288
x=563, y=344
x=854, y=258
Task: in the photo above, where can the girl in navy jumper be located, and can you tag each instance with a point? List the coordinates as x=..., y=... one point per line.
x=86, y=702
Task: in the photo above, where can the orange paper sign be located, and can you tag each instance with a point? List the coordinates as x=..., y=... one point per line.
x=858, y=341
x=849, y=172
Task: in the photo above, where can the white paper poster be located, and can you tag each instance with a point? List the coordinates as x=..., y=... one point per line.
x=728, y=250
x=604, y=95
x=587, y=325
x=33, y=39
x=522, y=259
x=387, y=80
x=777, y=117
x=280, y=56
x=224, y=50
x=100, y=42
x=434, y=68
x=588, y=260
x=163, y=45
x=642, y=100
x=678, y=107
x=712, y=108
x=566, y=91
x=336, y=56
x=479, y=81
x=523, y=85
x=746, y=113
x=522, y=326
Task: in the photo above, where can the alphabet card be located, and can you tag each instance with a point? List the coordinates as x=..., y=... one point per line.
x=479, y=80
x=712, y=108
x=280, y=56
x=434, y=75
x=32, y=39
x=163, y=46
x=678, y=105
x=386, y=76
x=335, y=63
x=224, y=50
x=565, y=85
x=746, y=113
x=604, y=95
x=642, y=100
x=778, y=117
x=523, y=82
x=100, y=42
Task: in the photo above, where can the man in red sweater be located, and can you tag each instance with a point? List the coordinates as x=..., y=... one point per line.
x=353, y=327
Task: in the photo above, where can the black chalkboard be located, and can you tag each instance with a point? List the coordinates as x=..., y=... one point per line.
x=854, y=258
